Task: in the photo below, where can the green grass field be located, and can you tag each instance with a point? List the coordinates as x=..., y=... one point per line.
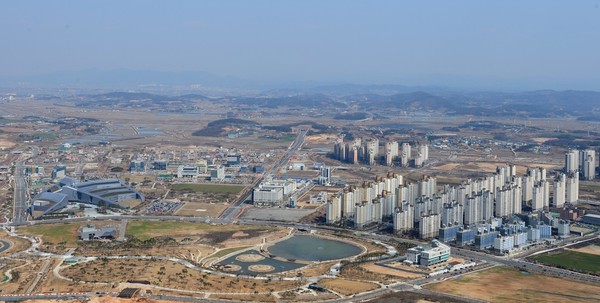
x=146, y=230
x=571, y=260
x=227, y=251
x=208, y=188
x=54, y=233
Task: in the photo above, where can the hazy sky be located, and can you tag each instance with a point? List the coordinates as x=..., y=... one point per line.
x=533, y=44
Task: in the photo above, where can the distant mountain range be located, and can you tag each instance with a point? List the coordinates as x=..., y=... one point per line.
x=160, y=87
x=125, y=79
x=546, y=103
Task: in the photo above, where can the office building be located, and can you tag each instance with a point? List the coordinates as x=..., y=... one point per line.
x=465, y=236
x=59, y=172
x=448, y=233
x=504, y=243
x=267, y=196
x=325, y=176
x=217, y=173
x=434, y=255
x=187, y=172
x=563, y=228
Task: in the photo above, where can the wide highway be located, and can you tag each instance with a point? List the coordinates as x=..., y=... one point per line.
x=20, y=194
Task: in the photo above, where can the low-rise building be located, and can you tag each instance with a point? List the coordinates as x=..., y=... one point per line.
x=504, y=243
x=267, y=196
x=434, y=255
x=591, y=219
x=90, y=232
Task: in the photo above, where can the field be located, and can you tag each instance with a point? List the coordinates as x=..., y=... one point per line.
x=168, y=274
x=517, y=287
x=348, y=287
x=569, y=259
x=147, y=230
x=415, y=297
x=589, y=190
x=356, y=271
x=54, y=233
x=208, y=188
x=226, y=251
x=372, y=267
x=201, y=209
x=593, y=249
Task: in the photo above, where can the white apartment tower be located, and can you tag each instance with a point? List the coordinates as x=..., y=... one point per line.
x=429, y=226
x=403, y=218
x=572, y=161
x=391, y=152
x=334, y=209
x=405, y=154
x=572, y=188
x=587, y=159
x=558, y=199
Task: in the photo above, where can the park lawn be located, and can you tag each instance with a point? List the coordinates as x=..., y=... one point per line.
x=208, y=188
x=226, y=251
x=571, y=260
x=54, y=233
x=146, y=230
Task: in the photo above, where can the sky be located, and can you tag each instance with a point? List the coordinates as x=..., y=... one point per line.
x=533, y=44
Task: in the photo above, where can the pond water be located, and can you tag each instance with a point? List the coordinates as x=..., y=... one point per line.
x=309, y=248
x=245, y=267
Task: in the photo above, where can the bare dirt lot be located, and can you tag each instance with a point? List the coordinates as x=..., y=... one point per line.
x=591, y=249
x=372, y=267
x=348, y=287
x=356, y=271
x=276, y=214
x=201, y=209
x=414, y=297
x=6, y=144
x=517, y=287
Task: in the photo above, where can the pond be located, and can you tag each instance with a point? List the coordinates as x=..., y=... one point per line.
x=310, y=248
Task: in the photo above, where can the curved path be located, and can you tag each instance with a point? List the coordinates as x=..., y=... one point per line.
x=4, y=245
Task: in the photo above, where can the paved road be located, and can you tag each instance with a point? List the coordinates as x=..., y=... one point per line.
x=22, y=297
x=4, y=245
x=234, y=209
x=39, y=276
x=122, y=230
x=20, y=194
